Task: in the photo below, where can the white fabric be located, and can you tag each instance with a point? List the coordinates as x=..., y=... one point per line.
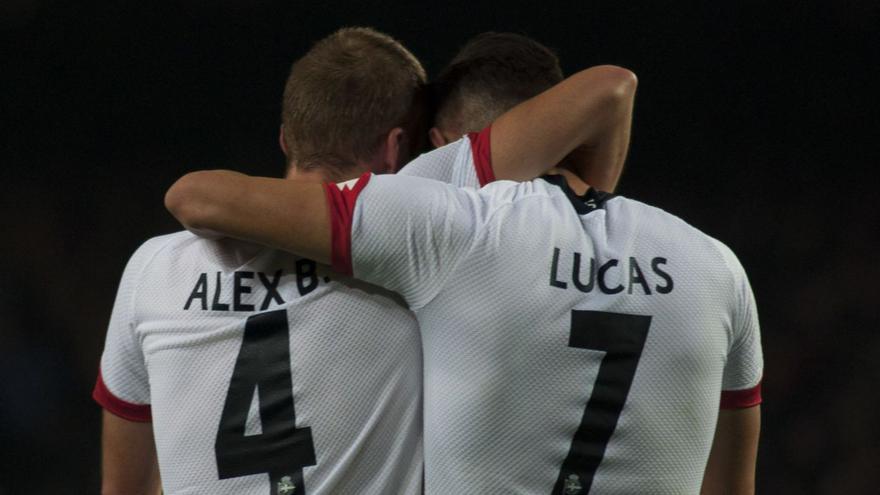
x=504, y=391
x=452, y=164
x=355, y=361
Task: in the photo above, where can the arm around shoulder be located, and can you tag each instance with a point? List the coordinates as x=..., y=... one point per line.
x=590, y=110
x=279, y=213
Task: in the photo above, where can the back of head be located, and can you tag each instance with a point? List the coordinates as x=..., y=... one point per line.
x=492, y=73
x=344, y=96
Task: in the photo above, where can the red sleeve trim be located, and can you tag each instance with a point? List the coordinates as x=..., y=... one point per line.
x=738, y=399
x=341, y=203
x=142, y=413
x=481, y=148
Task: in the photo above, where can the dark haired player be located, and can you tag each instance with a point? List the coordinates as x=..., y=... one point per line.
x=491, y=74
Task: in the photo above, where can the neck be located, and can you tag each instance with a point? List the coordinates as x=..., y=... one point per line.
x=323, y=174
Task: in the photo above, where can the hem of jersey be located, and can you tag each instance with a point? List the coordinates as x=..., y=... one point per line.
x=141, y=413
x=341, y=202
x=481, y=150
x=741, y=399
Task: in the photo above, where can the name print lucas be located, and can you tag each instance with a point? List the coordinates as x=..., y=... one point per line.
x=611, y=276
x=250, y=290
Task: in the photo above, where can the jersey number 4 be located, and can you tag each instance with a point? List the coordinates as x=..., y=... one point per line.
x=622, y=337
x=282, y=449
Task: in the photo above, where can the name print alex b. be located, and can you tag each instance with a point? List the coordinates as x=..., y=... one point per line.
x=249, y=290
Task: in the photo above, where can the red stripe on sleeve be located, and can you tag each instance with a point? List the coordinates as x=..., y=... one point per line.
x=738, y=399
x=341, y=203
x=142, y=413
x=481, y=148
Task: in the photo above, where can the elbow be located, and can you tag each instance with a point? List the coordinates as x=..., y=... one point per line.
x=611, y=86
x=189, y=200
x=620, y=83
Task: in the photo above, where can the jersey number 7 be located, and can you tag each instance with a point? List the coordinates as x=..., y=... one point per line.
x=282, y=449
x=622, y=337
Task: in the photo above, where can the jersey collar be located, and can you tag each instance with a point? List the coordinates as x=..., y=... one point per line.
x=591, y=200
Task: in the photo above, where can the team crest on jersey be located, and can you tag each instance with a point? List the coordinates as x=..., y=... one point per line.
x=572, y=485
x=286, y=486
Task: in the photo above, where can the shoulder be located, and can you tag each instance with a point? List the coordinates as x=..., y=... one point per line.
x=184, y=249
x=698, y=245
x=649, y=217
x=439, y=163
x=503, y=193
x=150, y=249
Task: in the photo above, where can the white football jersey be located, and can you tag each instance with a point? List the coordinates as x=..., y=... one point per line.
x=263, y=373
x=572, y=344
x=463, y=163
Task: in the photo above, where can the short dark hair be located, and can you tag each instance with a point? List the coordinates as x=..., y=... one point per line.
x=492, y=73
x=345, y=94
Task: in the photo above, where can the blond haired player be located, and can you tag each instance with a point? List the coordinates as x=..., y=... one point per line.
x=257, y=372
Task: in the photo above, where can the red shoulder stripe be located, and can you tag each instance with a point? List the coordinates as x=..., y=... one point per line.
x=738, y=399
x=481, y=148
x=341, y=203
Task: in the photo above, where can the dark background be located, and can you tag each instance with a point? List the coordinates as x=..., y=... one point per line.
x=757, y=123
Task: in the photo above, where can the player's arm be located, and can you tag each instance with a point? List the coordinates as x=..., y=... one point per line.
x=122, y=389
x=128, y=458
x=402, y=233
x=587, y=118
x=731, y=466
x=283, y=214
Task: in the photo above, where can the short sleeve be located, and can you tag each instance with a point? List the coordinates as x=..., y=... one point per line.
x=741, y=382
x=122, y=387
x=406, y=234
x=463, y=163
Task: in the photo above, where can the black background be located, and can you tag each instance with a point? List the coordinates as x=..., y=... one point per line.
x=755, y=122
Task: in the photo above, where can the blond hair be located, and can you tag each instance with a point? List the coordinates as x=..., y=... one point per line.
x=344, y=96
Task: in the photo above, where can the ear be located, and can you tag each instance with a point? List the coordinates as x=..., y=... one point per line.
x=281, y=140
x=437, y=138
x=393, y=151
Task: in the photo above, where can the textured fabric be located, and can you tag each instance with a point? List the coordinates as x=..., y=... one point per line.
x=174, y=342
x=508, y=282
x=452, y=164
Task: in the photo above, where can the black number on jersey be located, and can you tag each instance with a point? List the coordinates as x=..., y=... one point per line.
x=622, y=337
x=282, y=449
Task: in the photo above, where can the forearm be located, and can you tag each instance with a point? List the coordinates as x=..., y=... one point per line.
x=128, y=460
x=591, y=112
x=279, y=213
x=730, y=469
x=600, y=160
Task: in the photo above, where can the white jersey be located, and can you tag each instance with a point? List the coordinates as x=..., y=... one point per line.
x=262, y=373
x=572, y=345
x=463, y=163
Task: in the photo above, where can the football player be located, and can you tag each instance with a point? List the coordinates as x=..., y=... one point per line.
x=261, y=372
